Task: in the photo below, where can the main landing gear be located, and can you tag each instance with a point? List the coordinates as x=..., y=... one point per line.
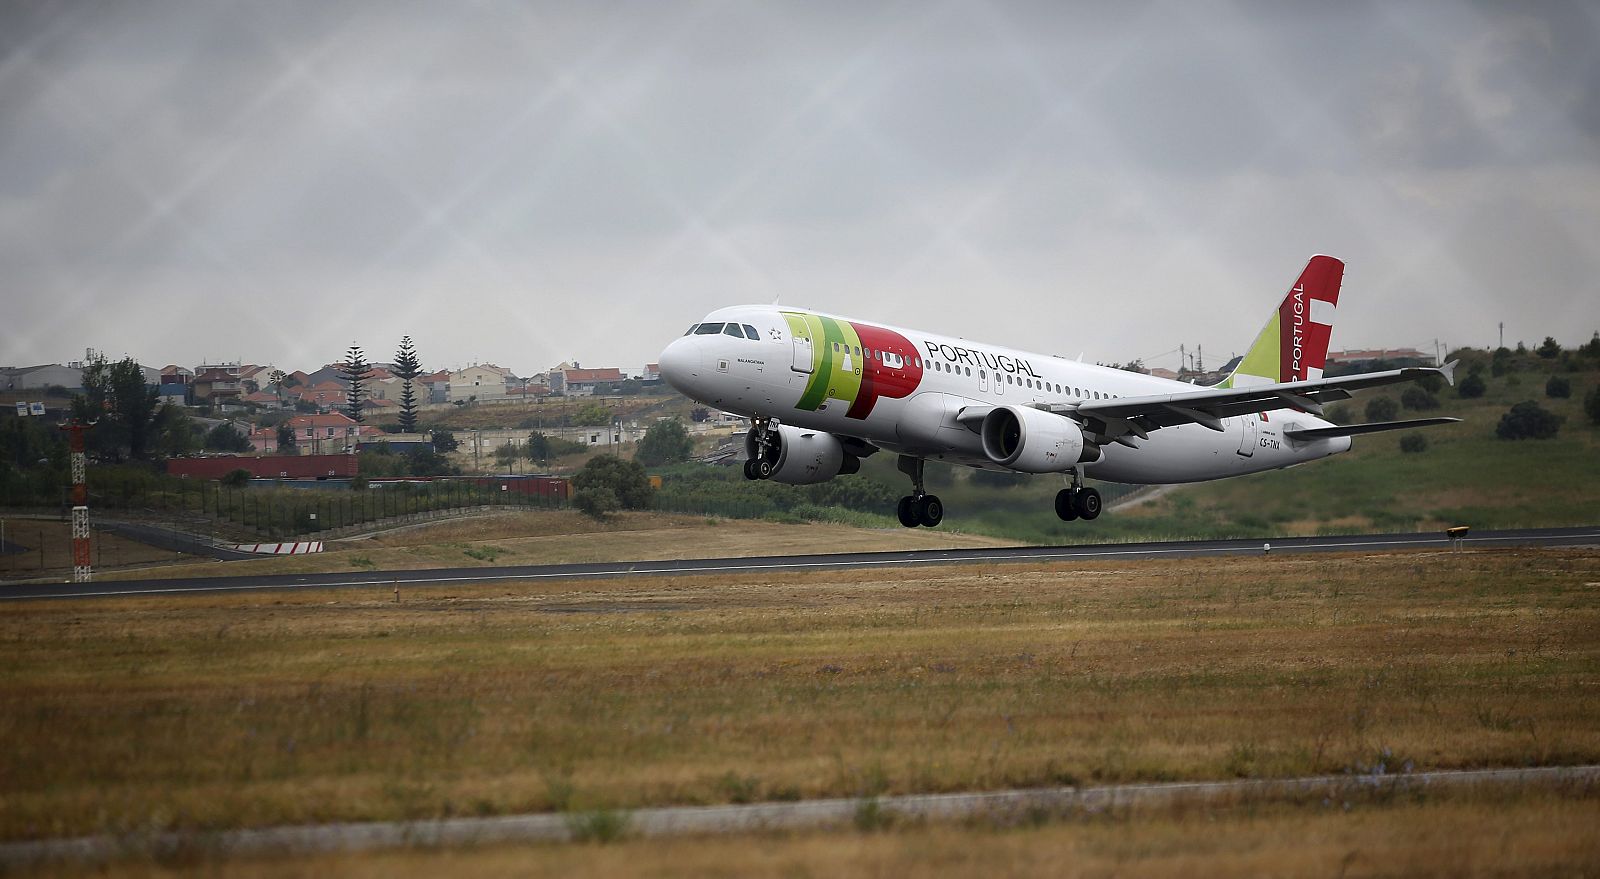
x=919, y=507
x=759, y=465
x=1077, y=502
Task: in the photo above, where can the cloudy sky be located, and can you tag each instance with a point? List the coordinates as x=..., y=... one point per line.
x=530, y=183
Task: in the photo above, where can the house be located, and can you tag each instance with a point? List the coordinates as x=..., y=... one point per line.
x=263, y=398
x=328, y=433
x=217, y=385
x=581, y=382
x=324, y=395
x=433, y=387
x=652, y=372
x=481, y=381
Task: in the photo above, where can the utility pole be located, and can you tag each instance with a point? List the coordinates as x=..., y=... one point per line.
x=1502, y=334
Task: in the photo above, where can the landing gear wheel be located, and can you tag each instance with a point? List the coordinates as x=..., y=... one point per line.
x=1066, y=505
x=1088, y=503
x=907, y=512
x=763, y=469
x=930, y=510
x=750, y=470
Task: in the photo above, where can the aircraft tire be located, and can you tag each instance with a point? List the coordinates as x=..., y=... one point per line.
x=907, y=512
x=750, y=470
x=763, y=469
x=1088, y=504
x=1066, y=505
x=930, y=510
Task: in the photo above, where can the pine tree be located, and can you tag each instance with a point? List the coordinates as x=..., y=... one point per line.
x=356, y=369
x=407, y=367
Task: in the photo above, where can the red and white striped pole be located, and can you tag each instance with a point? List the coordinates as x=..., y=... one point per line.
x=81, y=570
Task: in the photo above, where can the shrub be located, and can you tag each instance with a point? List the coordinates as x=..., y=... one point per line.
x=1549, y=349
x=236, y=478
x=1528, y=420
x=1591, y=404
x=1382, y=409
x=596, y=501
x=1558, y=386
x=1340, y=414
x=445, y=441
x=1471, y=387
x=1416, y=397
x=1413, y=442
x=1432, y=383
x=625, y=481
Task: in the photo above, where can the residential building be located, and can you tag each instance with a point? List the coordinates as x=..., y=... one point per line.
x=433, y=387
x=327, y=433
x=217, y=385
x=581, y=382
x=481, y=381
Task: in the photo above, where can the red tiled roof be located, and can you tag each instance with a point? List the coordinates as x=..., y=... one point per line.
x=606, y=374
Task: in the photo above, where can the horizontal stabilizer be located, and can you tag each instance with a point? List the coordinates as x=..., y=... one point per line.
x=1357, y=429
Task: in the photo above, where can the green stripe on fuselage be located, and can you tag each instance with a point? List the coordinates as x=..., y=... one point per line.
x=829, y=378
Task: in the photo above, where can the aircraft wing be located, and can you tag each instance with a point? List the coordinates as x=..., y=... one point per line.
x=1208, y=406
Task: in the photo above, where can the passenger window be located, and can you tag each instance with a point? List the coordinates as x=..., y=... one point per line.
x=708, y=330
x=733, y=330
x=750, y=332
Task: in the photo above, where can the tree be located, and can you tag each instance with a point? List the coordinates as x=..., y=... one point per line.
x=356, y=371
x=1416, y=397
x=1549, y=349
x=128, y=409
x=1382, y=409
x=506, y=454
x=407, y=367
x=625, y=480
x=1591, y=404
x=1501, y=363
x=286, y=439
x=666, y=442
x=1558, y=386
x=1413, y=442
x=1528, y=420
x=226, y=438
x=1471, y=387
x=445, y=441
x=596, y=502
x=427, y=462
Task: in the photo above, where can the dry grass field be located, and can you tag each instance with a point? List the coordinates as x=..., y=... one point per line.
x=538, y=537
x=226, y=711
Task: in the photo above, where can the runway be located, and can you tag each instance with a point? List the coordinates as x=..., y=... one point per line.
x=1537, y=537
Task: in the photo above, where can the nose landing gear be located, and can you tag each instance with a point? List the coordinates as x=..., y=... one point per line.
x=919, y=507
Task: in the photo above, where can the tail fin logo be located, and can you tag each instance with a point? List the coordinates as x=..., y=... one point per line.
x=1293, y=346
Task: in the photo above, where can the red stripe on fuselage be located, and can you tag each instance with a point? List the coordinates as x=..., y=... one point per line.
x=884, y=379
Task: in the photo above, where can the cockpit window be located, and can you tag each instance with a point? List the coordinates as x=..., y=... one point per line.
x=733, y=330
x=691, y=329
x=750, y=332
x=708, y=329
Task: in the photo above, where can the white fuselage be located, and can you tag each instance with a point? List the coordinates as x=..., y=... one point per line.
x=924, y=381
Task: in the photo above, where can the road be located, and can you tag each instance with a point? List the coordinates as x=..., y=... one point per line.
x=1005, y=806
x=1541, y=537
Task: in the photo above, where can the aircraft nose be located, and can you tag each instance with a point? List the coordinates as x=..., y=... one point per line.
x=681, y=363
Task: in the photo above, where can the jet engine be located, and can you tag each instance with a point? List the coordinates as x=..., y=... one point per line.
x=797, y=456
x=1034, y=441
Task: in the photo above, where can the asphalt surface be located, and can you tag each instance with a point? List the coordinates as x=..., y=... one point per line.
x=1541, y=537
x=1005, y=806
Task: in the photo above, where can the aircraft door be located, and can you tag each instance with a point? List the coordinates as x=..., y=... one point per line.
x=983, y=380
x=1248, y=430
x=802, y=353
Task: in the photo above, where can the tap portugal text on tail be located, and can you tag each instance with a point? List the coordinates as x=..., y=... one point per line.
x=825, y=391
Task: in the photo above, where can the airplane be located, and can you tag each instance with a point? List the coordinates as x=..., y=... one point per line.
x=824, y=391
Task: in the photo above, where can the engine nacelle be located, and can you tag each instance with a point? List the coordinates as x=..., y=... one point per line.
x=1034, y=441
x=801, y=457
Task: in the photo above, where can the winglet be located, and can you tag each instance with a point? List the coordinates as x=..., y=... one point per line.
x=1449, y=372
